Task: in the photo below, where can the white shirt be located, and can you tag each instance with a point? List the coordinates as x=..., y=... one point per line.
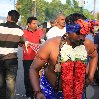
x=48, y=24
x=55, y=31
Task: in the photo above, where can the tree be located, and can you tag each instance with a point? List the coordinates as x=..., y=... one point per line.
x=41, y=6
x=54, y=8
x=25, y=8
x=98, y=16
x=46, y=11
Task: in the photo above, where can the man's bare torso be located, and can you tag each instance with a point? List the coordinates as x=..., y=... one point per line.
x=49, y=71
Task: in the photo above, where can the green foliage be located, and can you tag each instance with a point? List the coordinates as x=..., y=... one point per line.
x=24, y=9
x=41, y=5
x=88, y=14
x=46, y=11
x=54, y=8
x=98, y=16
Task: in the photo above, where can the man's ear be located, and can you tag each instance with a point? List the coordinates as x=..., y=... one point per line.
x=8, y=18
x=28, y=24
x=56, y=20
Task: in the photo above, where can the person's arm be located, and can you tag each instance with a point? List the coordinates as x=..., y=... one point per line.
x=23, y=40
x=96, y=40
x=39, y=61
x=92, y=52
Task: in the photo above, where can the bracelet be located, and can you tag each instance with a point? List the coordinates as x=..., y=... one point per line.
x=36, y=92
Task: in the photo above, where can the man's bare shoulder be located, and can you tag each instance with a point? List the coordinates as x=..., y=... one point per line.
x=88, y=42
x=48, y=48
x=50, y=44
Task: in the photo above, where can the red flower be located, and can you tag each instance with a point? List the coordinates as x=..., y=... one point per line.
x=73, y=76
x=84, y=26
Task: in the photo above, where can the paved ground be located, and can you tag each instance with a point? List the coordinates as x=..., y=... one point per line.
x=20, y=90
x=92, y=91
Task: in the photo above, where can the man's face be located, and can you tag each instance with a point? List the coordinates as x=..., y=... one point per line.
x=77, y=37
x=33, y=25
x=9, y=18
x=61, y=21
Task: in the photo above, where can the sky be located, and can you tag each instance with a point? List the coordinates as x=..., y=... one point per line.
x=6, y=5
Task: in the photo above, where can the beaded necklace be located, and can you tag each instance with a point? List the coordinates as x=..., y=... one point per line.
x=58, y=62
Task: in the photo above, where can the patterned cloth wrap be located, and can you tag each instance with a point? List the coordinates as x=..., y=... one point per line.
x=48, y=90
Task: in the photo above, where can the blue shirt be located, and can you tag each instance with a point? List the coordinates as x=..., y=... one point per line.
x=90, y=36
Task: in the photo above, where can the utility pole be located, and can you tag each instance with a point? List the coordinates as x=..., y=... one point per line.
x=94, y=8
x=14, y=4
x=81, y=5
x=34, y=8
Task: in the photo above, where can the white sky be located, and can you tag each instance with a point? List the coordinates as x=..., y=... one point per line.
x=6, y=5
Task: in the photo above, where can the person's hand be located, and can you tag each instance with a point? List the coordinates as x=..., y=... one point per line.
x=89, y=80
x=27, y=44
x=40, y=96
x=42, y=41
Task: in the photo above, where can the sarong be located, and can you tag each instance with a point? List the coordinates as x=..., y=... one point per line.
x=48, y=90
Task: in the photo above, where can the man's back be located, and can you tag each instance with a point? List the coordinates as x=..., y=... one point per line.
x=10, y=36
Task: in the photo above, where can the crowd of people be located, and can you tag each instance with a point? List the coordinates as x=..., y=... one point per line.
x=66, y=53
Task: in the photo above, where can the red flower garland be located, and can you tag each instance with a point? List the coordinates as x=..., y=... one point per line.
x=73, y=76
x=96, y=23
x=84, y=26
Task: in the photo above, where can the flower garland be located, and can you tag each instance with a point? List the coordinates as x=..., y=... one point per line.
x=68, y=53
x=73, y=70
x=85, y=29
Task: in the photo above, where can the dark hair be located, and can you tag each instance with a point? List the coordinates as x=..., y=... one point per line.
x=29, y=20
x=14, y=15
x=44, y=24
x=91, y=31
x=74, y=17
x=78, y=32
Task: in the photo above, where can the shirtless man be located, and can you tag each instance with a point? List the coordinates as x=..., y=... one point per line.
x=49, y=52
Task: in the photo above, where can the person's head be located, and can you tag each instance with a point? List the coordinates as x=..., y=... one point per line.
x=13, y=16
x=77, y=27
x=52, y=21
x=44, y=27
x=32, y=23
x=60, y=21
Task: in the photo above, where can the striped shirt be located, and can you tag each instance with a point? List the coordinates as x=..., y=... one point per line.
x=10, y=36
